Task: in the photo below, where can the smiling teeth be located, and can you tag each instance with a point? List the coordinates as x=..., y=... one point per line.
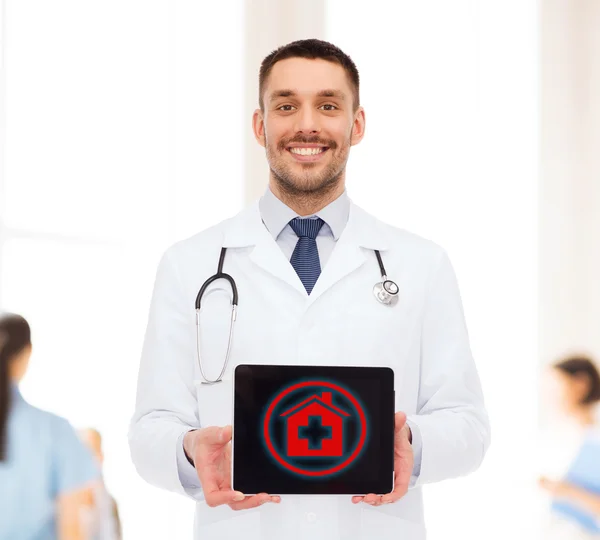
x=306, y=151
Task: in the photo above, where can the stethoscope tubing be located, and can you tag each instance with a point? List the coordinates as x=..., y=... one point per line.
x=387, y=285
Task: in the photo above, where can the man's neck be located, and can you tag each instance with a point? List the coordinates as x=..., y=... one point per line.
x=306, y=204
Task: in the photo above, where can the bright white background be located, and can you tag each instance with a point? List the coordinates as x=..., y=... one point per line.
x=124, y=132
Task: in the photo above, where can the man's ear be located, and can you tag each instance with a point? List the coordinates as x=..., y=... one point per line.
x=358, y=126
x=258, y=127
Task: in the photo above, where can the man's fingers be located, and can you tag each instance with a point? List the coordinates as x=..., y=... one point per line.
x=254, y=501
x=217, y=498
x=372, y=499
x=248, y=502
x=391, y=498
x=399, y=492
x=376, y=500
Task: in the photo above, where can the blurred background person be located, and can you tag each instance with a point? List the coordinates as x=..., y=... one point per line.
x=575, y=509
x=100, y=514
x=45, y=470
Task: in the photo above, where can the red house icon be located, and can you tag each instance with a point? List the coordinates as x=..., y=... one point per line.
x=315, y=427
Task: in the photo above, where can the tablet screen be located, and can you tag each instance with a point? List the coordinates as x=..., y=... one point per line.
x=313, y=429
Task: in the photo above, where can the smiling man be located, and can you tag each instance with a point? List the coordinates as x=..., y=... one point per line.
x=304, y=259
x=308, y=128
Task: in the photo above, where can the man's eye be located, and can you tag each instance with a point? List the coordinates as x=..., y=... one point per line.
x=329, y=107
x=286, y=108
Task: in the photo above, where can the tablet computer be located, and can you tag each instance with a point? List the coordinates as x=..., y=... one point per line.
x=308, y=430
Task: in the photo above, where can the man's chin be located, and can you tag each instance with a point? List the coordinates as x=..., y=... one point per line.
x=308, y=187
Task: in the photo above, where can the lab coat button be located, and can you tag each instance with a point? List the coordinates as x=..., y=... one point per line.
x=311, y=517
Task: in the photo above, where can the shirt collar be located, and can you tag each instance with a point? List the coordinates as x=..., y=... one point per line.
x=276, y=215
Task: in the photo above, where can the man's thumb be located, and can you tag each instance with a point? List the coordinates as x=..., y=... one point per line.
x=225, y=434
x=399, y=421
x=215, y=435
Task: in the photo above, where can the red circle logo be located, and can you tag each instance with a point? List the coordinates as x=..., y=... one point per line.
x=305, y=385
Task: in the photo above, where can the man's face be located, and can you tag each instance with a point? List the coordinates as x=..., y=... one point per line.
x=308, y=124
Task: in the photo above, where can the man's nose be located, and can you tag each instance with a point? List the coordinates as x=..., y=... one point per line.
x=307, y=121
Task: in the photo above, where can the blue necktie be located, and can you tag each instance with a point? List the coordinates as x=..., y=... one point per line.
x=305, y=258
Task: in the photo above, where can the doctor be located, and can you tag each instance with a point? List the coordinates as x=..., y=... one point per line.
x=304, y=263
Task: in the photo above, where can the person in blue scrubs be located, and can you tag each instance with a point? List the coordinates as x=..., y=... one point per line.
x=576, y=496
x=45, y=470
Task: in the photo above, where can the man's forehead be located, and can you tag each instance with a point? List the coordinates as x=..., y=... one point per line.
x=306, y=76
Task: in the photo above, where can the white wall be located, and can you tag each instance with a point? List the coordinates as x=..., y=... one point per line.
x=570, y=179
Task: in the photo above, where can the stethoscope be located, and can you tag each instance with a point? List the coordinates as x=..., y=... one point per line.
x=385, y=291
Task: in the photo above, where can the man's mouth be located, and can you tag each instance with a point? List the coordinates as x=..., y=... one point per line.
x=307, y=153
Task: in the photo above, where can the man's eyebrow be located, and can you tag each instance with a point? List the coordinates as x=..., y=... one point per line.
x=282, y=93
x=332, y=93
x=322, y=93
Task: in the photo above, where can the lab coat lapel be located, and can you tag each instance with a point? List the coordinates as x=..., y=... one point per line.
x=269, y=257
x=247, y=229
x=360, y=234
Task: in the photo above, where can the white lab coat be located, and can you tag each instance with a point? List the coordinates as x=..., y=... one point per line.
x=423, y=338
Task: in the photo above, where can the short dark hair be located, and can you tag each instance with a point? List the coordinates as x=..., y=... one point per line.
x=576, y=366
x=312, y=49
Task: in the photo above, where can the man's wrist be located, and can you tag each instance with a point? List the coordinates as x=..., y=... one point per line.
x=189, y=446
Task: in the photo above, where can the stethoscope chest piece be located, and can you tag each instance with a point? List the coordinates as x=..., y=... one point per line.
x=386, y=292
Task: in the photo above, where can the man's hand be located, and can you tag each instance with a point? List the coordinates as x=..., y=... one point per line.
x=403, y=465
x=210, y=449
